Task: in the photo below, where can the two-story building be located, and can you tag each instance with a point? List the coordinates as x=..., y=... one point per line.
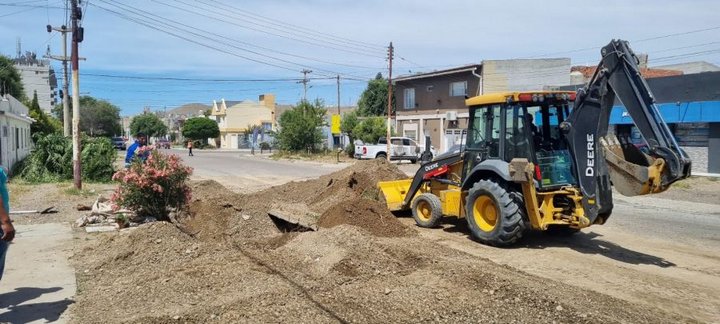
x=235, y=117
x=433, y=104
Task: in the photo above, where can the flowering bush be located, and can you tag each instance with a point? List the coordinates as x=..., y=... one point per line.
x=153, y=187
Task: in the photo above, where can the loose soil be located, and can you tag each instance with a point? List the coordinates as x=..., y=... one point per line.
x=226, y=262
x=695, y=189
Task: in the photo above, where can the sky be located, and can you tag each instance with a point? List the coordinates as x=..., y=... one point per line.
x=165, y=53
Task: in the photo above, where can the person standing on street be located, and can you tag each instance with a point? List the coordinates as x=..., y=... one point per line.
x=189, y=146
x=7, y=231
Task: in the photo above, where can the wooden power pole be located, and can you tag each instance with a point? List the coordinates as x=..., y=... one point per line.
x=389, y=104
x=77, y=37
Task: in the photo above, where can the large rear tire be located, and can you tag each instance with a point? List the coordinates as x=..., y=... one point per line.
x=494, y=216
x=427, y=210
x=381, y=156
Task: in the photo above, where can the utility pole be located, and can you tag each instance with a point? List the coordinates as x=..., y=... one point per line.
x=66, y=95
x=305, y=82
x=77, y=37
x=389, y=106
x=340, y=136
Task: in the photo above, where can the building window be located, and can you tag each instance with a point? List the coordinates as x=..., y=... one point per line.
x=429, y=88
x=267, y=126
x=410, y=131
x=410, y=98
x=458, y=89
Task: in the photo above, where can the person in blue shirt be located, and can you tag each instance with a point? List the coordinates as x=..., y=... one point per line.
x=7, y=231
x=140, y=141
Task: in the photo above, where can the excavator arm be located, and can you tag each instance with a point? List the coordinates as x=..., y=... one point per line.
x=601, y=159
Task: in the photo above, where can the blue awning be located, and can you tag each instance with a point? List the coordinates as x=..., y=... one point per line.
x=683, y=112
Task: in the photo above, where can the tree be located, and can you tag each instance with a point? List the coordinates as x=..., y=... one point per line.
x=348, y=123
x=99, y=117
x=44, y=124
x=200, y=128
x=373, y=101
x=10, y=79
x=300, y=127
x=148, y=124
x=371, y=129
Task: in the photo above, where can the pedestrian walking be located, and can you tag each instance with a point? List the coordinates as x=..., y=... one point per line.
x=189, y=146
x=7, y=231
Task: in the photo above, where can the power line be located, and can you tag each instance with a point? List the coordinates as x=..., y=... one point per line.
x=191, y=29
x=635, y=41
x=146, y=24
x=246, y=43
x=292, y=26
x=136, y=77
x=349, y=50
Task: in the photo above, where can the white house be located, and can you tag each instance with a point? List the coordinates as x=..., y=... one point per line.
x=15, y=140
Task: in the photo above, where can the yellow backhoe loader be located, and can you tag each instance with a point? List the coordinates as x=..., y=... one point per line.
x=544, y=160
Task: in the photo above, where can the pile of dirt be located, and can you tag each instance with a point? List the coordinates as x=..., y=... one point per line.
x=368, y=214
x=362, y=266
x=217, y=213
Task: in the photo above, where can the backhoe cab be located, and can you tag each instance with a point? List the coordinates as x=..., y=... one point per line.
x=544, y=160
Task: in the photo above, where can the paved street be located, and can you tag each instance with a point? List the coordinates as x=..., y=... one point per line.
x=242, y=172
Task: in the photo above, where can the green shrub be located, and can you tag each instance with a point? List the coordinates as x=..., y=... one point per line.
x=98, y=156
x=350, y=149
x=154, y=187
x=51, y=160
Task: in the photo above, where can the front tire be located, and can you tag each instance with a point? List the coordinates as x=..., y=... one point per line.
x=427, y=210
x=493, y=216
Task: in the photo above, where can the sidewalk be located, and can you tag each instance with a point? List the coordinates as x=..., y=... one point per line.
x=38, y=284
x=704, y=174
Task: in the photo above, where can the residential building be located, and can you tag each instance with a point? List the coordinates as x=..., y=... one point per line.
x=175, y=118
x=433, y=104
x=583, y=74
x=235, y=117
x=336, y=140
x=15, y=140
x=691, y=67
x=38, y=77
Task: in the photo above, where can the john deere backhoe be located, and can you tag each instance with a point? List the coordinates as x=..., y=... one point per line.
x=544, y=160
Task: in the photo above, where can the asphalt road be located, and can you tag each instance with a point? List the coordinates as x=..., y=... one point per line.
x=242, y=172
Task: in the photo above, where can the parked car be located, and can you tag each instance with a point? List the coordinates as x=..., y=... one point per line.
x=401, y=148
x=119, y=143
x=162, y=143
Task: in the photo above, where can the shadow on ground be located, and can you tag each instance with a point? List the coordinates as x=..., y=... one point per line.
x=15, y=313
x=583, y=242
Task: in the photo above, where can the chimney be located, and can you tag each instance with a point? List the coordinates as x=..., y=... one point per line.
x=268, y=100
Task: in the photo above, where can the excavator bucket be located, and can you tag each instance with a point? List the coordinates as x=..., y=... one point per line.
x=395, y=192
x=632, y=172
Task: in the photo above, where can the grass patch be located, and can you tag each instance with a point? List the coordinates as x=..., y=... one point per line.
x=17, y=190
x=682, y=185
x=323, y=156
x=72, y=191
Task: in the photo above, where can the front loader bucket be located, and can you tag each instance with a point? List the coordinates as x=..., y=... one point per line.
x=632, y=172
x=394, y=192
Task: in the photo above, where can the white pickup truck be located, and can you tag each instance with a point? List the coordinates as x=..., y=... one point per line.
x=401, y=148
